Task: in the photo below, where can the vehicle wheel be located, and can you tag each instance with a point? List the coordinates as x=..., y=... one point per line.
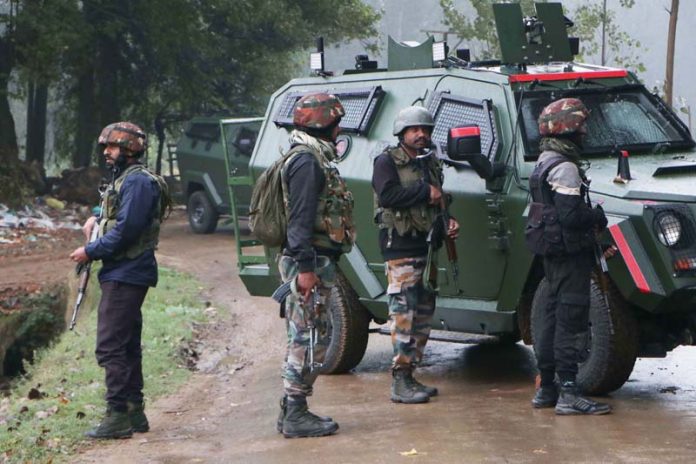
x=202, y=215
x=349, y=321
x=606, y=359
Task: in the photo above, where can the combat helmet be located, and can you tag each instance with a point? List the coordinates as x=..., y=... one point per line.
x=317, y=111
x=124, y=134
x=412, y=116
x=563, y=117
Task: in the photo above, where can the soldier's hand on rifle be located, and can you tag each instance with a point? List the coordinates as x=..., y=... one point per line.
x=87, y=227
x=306, y=281
x=453, y=229
x=79, y=256
x=435, y=195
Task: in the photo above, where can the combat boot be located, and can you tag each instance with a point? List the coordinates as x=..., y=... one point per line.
x=138, y=419
x=283, y=409
x=114, y=424
x=403, y=390
x=430, y=391
x=546, y=396
x=570, y=402
x=299, y=422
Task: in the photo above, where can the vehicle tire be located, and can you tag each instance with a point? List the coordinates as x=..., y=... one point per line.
x=349, y=322
x=607, y=359
x=202, y=215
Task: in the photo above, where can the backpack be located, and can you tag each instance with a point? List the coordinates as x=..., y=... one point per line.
x=267, y=220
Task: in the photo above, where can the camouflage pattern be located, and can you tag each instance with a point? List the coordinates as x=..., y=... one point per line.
x=563, y=117
x=411, y=308
x=333, y=223
x=412, y=116
x=124, y=134
x=317, y=111
x=419, y=217
x=297, y=376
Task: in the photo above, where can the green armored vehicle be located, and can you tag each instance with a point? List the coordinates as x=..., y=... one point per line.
x=201, y=160
x=643, y=305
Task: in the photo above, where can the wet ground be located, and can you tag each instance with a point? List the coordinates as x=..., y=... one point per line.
x=483, y=414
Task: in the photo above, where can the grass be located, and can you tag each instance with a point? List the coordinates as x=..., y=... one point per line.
x=69, y=386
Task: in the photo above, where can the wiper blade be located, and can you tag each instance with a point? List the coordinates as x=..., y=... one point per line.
x=582, y=80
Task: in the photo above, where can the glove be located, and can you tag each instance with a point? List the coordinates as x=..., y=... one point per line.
x=600, y=219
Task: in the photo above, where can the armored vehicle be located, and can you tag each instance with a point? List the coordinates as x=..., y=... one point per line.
x=201, y=159
x=643, y=304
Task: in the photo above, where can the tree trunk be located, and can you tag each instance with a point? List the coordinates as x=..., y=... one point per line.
x=9, y=151
x=671, y=38
x=86, y=120
x=36, y=122
x=161, y=138
x=106, y=79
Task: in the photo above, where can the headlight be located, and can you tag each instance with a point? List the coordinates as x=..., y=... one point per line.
x=668, y=229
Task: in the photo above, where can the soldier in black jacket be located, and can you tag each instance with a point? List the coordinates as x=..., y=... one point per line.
x=565, y=237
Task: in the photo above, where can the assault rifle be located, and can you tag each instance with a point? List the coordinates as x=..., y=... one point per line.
x=438, y=230
x=280, y=294
x=602, y=267
x=83, y=270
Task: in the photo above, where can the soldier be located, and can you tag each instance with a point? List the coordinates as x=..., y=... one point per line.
x=566, y=241
x=319, y=210
x=407, y=181
x=132, y=210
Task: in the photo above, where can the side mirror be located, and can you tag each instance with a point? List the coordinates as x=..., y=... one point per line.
x=464, y=145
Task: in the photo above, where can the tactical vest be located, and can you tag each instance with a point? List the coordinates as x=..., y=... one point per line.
x=544, y=234
x=418, y=218
x=150, y=236
x=333, y=223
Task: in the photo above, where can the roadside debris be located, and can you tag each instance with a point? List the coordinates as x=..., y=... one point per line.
x=39, y=221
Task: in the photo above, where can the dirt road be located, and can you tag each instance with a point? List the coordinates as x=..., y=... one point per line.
x=227, y=412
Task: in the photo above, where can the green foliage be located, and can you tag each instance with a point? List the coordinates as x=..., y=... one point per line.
x=168, y=60
x=69, y=383
x=620, y=48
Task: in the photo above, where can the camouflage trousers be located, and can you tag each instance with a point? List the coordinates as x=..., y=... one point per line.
x=411, y=308
x=298, y=378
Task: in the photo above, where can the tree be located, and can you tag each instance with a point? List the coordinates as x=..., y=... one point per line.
x=600, y=35
x=671, y=38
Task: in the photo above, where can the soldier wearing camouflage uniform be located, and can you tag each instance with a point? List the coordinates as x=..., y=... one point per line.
x=319, y=213
x=559, y=188
x=133, y=207
x=407, y=180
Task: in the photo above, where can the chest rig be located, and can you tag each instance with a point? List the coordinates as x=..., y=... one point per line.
x=148, y=239
x=418, y=218
x=544, y=234
x=333, y=222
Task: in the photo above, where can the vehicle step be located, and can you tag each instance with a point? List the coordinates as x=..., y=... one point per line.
x=451, y=337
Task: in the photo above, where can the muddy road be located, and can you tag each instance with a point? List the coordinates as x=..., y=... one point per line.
x=227, y=412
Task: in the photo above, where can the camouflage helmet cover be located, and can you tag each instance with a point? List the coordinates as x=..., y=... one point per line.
x=317, y=111
x=563, y=117
x=412, y=116
x=124, y=134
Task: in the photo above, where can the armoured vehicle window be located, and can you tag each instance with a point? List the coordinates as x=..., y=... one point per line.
x=241, y=140
x=207, y=133
x=627, y=117
x=453, y=111
x=360, y=104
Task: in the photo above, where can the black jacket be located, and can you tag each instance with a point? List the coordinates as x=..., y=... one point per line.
x=390, y=194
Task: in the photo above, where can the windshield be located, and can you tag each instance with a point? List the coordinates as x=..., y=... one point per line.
x=625, y=117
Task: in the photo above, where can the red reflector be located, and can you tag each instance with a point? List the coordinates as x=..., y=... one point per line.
x=624, y=153
x=465, y=131
x=562, y=76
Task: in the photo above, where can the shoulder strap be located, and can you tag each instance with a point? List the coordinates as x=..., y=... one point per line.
x=538, y=180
